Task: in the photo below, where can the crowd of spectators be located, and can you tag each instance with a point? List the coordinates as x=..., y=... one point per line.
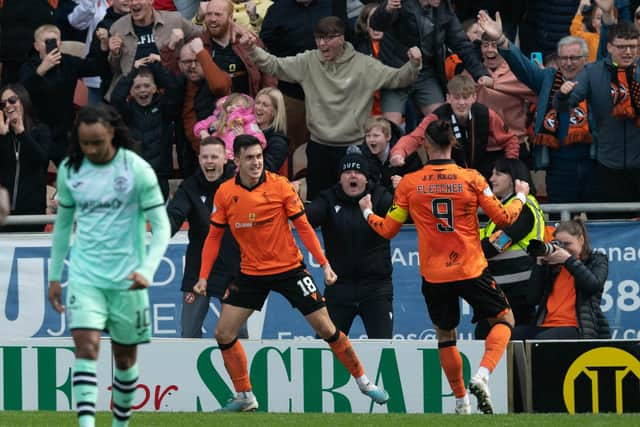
x=170, y=62
x=321, y=76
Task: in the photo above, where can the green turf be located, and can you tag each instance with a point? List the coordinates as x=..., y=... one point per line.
x=178, y=419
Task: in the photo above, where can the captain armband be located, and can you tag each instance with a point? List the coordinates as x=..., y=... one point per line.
x=398, y=214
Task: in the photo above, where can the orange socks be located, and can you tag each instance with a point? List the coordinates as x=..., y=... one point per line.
x=494, y=345
x=341, y=347
x=235, y=361
x=452, y=366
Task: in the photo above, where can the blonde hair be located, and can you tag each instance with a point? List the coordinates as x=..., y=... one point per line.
x=47, y=28
x=279, y=121
x=229, y=101
x=378, y=122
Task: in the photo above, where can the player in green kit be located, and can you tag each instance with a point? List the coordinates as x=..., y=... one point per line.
x=111, y=192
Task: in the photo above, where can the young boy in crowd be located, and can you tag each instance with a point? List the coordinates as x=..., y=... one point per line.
x=148, y=100
x=380, y=136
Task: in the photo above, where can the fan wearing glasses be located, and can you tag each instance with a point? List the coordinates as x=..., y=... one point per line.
x=611, y=86
x=562, y=141
x=24, y=145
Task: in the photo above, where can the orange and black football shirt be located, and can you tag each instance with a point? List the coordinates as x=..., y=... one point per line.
x=258, y=219
x=442, y=199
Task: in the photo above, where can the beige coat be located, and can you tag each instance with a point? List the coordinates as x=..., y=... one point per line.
x=338, y=94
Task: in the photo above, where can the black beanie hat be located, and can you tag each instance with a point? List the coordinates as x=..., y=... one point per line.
x=356, y=162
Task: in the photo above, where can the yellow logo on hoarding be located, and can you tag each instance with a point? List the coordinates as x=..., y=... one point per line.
x=601, y=367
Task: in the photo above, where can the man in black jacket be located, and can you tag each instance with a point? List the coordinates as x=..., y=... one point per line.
x=360, y=258
x=150, y=112
x=193, y=202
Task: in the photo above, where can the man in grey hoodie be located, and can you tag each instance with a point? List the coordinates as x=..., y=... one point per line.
x=338, y=83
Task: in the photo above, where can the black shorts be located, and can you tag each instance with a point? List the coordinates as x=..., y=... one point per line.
x=481, y=293
x=297, y=286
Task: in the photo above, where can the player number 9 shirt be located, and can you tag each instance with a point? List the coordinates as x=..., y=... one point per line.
x=443, y=199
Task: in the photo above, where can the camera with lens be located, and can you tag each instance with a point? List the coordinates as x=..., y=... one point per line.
x=539, y=248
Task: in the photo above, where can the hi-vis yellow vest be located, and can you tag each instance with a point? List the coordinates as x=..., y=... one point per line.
x=517, y=249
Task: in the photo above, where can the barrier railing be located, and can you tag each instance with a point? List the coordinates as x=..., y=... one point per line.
x=564, y=209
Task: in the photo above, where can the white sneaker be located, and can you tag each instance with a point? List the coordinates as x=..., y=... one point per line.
x=479, y=387
x=240, y=404
x=463, y=408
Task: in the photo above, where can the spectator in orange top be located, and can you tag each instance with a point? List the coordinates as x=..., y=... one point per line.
x=442, y=199
x=260, y=205
x=572, y=278
x=480, y=131
x=586, y=25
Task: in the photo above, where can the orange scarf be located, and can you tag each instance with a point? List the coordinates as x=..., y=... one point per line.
x=625, y=95
x=578, y=122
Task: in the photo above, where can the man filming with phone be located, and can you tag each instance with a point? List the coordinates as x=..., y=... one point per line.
x=51, y=76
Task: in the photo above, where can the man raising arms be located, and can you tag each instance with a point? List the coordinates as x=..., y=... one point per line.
x=257, y=205
x=443, y=199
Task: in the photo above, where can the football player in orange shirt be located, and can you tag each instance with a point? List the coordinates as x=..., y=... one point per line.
x=443, y=199
x=257, y=205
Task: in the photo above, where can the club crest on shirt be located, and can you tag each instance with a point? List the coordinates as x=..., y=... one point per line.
x=252, y=216
x=121, y=184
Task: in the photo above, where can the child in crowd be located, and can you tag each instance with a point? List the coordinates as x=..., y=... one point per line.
x=380, y=136
x=233, y=116
x=148, y=101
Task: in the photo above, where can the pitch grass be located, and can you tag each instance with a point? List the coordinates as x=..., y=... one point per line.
x=259, y=419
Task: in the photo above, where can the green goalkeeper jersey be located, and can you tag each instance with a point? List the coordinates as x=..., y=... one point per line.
x=110, y=202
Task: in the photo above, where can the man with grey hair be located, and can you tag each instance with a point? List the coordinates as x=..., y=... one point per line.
x=562, y=141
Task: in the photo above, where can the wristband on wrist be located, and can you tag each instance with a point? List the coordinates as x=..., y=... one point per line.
x=522, y=198
x=366, y=213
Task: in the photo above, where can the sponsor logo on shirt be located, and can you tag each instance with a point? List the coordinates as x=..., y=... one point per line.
x=92, y=205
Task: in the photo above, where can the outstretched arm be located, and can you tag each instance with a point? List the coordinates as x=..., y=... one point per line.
x=388, y=226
